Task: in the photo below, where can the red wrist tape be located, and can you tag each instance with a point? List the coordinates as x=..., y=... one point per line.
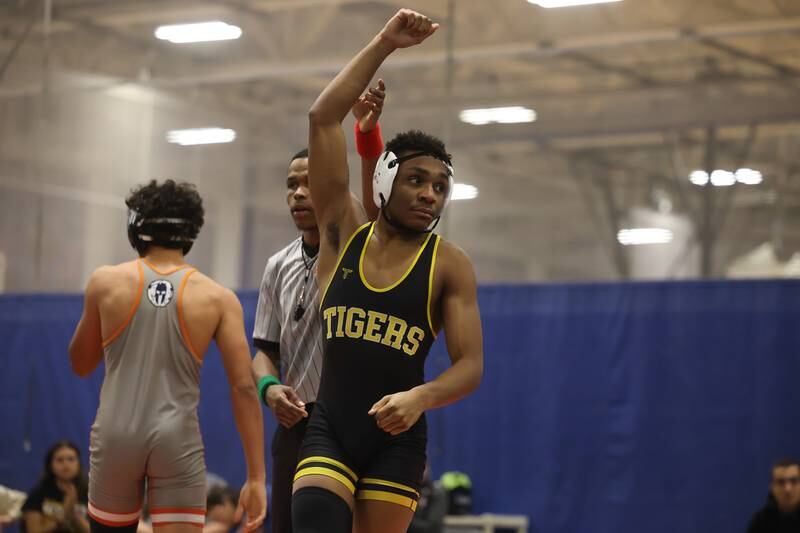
x=369, y=145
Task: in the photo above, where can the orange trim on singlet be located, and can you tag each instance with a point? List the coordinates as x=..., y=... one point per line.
x=137, y=510
x=167, y=273
x=109, y=523
x=184, y=331
x=160, y=524
x=178, y=510
x=117, y=332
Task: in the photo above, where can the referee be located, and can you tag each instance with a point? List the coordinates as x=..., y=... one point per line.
x=287, y=332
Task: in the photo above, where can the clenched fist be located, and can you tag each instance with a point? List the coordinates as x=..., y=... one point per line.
x=408, y=28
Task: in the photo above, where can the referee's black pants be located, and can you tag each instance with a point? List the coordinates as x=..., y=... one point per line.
x=286, y=445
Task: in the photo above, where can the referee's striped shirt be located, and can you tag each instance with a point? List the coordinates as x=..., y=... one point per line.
x=299, y=342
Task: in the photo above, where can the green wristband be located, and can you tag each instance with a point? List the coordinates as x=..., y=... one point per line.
x=263, y=385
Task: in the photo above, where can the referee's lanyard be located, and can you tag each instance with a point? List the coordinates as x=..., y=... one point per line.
x=300, y=310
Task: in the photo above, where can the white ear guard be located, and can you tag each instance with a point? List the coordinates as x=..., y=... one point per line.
x=383, y=178
x=386, y=171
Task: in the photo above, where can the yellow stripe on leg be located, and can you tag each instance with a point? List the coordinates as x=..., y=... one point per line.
x=390, y=497
x=317, y=470
x=334, y=462
x=374, y=481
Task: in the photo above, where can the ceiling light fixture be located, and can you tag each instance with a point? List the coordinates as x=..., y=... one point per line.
x=638, y=236
x=699, y=177
x=722, y=178
x=462, y=191
x=498, y=115
x=195, y=136
x=726, y=178
x=568, y=3
x=748, y=176
x=198, y=32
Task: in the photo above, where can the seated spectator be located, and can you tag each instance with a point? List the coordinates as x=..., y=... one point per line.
x=781, y=514
x=220, y=510
x=58, y=503
x=431, y=507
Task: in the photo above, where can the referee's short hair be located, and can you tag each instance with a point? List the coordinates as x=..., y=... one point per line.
x=302, y=154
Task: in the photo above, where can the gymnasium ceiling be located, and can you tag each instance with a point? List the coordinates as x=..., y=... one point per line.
x=627, y=96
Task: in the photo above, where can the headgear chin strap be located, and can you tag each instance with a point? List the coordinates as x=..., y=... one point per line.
x=143, y=232
x=383, y=181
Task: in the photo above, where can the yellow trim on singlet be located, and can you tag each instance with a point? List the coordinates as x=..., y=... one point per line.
x=399, y=281
x=374, y=481
x=430, y=284
x=327, y=472
x=339, y=261
x=390, y=497
x=334, y=462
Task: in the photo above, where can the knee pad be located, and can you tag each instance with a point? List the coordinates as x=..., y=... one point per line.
x=318, y=510
x=97, y=527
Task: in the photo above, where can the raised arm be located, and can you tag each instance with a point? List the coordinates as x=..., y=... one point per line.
x=328, y=173
x=235, y=353
x=86, y=346
x=369, y=142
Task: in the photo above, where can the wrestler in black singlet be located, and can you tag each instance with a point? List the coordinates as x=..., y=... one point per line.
x=375, y=343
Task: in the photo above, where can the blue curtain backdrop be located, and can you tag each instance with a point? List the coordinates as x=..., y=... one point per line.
x=604, y=408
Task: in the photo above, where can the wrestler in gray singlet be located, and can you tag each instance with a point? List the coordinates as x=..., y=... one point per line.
x=146, y=424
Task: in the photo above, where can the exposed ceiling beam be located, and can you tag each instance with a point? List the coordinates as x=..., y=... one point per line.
x=604, y=66
x=264, y=70
x=623, y=114
x=580, y=114
x=156, y=12
x=779, y=68
x=144, y=45
x=33, y=15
